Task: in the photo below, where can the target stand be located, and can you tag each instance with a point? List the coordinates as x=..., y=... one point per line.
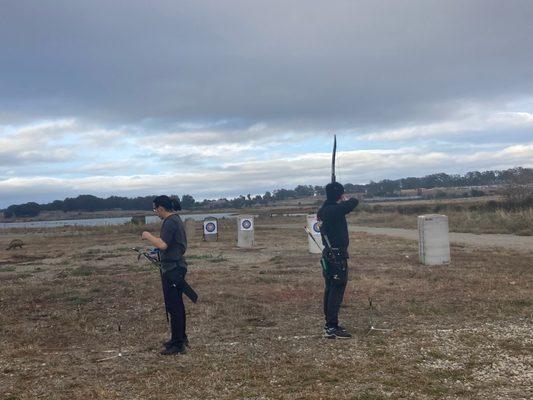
x=210, y=232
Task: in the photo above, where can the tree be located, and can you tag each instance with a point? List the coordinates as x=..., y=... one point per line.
x=319, y=190
x=30, y=209
x=188, y=202
x=302, y=191
x=283, y=194
x=267, y=196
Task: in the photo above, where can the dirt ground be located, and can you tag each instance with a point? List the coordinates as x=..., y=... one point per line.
x=72, y=299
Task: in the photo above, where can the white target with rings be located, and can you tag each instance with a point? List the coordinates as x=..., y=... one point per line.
x=245, y=231
x=315, y=239
x=246, y=224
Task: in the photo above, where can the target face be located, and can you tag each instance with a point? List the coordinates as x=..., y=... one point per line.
x=246, y=224
x=210, y=227
x=316, y=227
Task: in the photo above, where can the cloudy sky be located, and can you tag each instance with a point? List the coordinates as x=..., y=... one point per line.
x=218, y=98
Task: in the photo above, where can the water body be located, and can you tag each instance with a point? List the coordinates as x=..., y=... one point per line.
x=103, y=221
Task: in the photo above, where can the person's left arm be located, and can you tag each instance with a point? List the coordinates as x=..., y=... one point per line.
x=346, y=205
x=154, y=241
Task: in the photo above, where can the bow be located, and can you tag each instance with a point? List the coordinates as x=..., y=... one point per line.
x=333, y=158
x=154, y=257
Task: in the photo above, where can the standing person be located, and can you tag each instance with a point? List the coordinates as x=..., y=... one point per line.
x=334, y=231
x=172, y=245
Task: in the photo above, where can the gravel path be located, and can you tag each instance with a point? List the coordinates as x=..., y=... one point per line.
x=506, y=241
x=513, y=242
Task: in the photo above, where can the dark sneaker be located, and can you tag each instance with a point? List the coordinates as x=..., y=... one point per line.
x=341, y=328
x=173, y=350
x=341, y=333
x=170, y=343
x=336, y=332
x=329, y=333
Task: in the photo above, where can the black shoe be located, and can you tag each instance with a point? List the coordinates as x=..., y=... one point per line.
x=329, y=332
x=170, y=343
x=173, y=350
x=340, y=328
x=342, y=333
x=336, y=332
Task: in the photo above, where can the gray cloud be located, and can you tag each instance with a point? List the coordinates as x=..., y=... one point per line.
x=337, y=65
x=216, y=97
x=258, y=176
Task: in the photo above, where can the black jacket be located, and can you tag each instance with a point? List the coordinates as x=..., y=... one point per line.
x=333, y=217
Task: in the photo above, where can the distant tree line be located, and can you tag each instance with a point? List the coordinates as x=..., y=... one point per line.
x=514, y=176
x=386, y=187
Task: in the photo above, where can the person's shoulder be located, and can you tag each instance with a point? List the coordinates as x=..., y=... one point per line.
x=323, y=207
x=175, y=218
x=172, y=220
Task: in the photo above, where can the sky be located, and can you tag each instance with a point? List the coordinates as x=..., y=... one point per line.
x=221, y=98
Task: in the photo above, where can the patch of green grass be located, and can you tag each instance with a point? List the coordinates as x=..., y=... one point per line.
x=520, y=303
x=267, y=279
x=449, y=374
x=138, y=267
x=437, y=354
x=379, y=352
x=218, y=259
x=328, y=377
x=436, y=390
x=199, y=256
x=124, y=249
x=123, y=283
x=471, y=339
x=418, y=307
x=513, y=345
x=77, y=300
x=107, y=255
x=83, y=270
x=208, y=256
x=276, y=260
x=8, y=268
x=366, y=395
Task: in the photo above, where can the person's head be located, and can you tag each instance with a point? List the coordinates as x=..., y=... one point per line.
x=164, y=205
x=334, y=191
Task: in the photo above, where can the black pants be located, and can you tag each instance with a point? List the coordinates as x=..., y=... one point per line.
x=174, y=304
x=336, y=278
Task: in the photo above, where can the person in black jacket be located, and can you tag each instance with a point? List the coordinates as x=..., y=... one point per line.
x=172, y=245
x=334, y=231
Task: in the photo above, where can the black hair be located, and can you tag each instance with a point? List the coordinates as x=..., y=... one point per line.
x=168, y=203
x=334, y=191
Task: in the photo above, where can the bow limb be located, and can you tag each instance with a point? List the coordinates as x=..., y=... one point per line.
x=333, y=178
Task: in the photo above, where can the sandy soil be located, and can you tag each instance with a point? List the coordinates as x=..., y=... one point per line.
x=462, y=331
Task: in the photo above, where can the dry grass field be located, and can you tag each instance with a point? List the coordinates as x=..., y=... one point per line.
x=516, y=222
x=458, y=332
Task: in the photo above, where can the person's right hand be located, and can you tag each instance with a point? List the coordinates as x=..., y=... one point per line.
x=145, y=235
